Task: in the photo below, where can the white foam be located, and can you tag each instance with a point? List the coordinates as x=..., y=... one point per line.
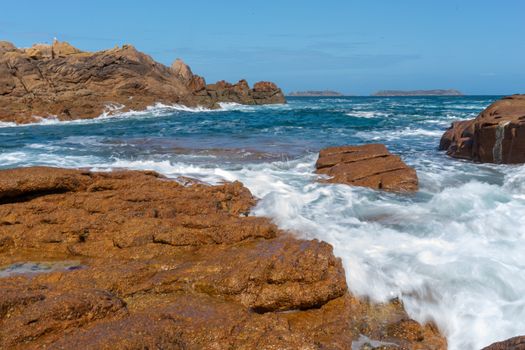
x=397, y=134
x=232, y=106
x=115, y=112
x=366, y=114
x=7, y=124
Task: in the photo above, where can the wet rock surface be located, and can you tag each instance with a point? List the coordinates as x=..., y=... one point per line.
x=60, y=80
x=496, y=135
x=172, y=265
x=369, y=165
x=516, y=343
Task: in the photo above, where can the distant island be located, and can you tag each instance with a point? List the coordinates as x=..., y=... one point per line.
x=313, y=93
x=449, y=92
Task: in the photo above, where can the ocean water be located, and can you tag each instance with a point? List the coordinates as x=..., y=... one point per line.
x=453, y=252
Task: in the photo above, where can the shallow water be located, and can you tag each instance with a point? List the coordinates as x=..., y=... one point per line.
x=29, y=268
x=452, y=252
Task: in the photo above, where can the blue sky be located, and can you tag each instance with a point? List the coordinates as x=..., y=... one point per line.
x=356, y=47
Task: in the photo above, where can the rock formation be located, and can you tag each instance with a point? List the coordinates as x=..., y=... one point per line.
x=496, y=135
x=60, y=80
x=172, y=265
x=516, y=343
x=369, y=165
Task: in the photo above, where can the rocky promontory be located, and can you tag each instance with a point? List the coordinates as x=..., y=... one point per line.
x=496, y=135
x=134, y=260
x=62, y=81
x=369, y=165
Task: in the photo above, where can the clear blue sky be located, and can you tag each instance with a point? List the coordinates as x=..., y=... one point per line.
x=477, y=46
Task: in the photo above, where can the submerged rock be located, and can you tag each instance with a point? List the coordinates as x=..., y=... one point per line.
x=60, y=80
x=516, y=343
x=170, y=265
x=369, y=165
x=496, y=135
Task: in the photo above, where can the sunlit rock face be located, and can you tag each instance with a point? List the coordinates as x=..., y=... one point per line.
x=496, y=135
x=62, y=81
x=369, y=165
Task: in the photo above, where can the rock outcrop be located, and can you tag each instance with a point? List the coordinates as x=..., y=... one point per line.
x=516, y=343
x=496, y=135
x=172, y=265
x=60, y=80
x=369, y=165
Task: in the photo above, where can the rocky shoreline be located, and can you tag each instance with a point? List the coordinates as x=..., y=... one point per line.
x=129, y=259
x=173, y=264
x=61, y=81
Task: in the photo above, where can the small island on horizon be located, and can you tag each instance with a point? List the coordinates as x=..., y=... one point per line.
x=436, y=92
x=315, y=93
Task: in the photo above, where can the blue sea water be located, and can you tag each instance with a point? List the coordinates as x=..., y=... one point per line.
x=452, y=252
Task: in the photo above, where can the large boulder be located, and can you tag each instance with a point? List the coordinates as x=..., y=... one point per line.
x=369, y=165
x=61, y=81
x=496, y=135
x=163, y=264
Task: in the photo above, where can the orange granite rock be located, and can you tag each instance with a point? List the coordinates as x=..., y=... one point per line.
x=369, y=165
x=157, y=263
x=60, y=80
x=496, y=135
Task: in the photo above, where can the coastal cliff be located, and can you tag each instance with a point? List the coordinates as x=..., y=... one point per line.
x=62, y=81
